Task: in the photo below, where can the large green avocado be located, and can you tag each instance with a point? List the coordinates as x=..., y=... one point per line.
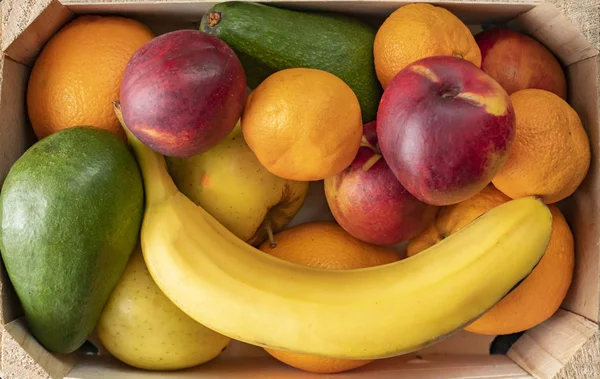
x=267, y=39
x=71, y=210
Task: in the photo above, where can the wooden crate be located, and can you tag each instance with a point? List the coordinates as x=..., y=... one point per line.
x=541, y=352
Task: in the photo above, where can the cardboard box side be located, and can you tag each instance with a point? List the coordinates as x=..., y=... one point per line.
x=548, y=25
x=24, y=45
x=460, y=344
x=469, y=10
x=544, y=350
x=16, y=136
x=485, y=367
x=582, y=210
x=427, y=367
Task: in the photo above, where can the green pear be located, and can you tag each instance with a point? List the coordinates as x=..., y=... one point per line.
x=231, y=184
x=141, y=327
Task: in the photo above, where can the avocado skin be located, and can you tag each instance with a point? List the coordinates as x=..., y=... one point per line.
x=71, y=210
x=267, y=39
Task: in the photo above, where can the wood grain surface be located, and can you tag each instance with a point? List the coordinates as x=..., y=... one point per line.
x=16, y=14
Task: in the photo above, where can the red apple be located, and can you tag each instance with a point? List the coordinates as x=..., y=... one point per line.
x=445, y=128
x=518, y=62
x=183, y=92
x=369, y=202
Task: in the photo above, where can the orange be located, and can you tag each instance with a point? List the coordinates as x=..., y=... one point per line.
x=324, y=244
x=319, y=365
x=77, y=75
x=303, y=124
x=453, y=217
x=417, y=31
x=550, y=156
x=539, y=295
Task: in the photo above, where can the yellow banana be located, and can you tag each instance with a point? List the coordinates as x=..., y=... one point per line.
x=243, y=293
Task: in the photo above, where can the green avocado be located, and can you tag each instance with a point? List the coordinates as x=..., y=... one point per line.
x=71, y=209
x=267, y=39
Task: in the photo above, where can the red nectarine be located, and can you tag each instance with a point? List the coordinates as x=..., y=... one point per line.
x=183, y=92
x=518, y=62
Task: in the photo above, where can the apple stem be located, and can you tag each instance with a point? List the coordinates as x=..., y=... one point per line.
x=271, y=238
x=371, y=162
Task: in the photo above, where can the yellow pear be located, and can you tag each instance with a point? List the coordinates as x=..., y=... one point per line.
x=231, y=184
x=140, y=326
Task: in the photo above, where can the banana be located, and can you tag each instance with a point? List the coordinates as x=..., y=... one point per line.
x=245, y=294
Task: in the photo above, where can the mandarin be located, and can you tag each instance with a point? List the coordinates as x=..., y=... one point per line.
x=417, y=31
x=324, y=244
x=550, y=155
x=303, y=124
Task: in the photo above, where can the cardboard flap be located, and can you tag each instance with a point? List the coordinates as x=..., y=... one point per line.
x=545, y=349
x=547, y=24
x=26, y=32
x=55, y=365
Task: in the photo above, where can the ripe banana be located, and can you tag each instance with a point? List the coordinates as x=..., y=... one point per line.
x=377, y=312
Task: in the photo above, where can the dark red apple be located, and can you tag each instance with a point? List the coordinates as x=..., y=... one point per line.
x=369, y=202
x=183, y=92
x=518, y=62
x=445, y=128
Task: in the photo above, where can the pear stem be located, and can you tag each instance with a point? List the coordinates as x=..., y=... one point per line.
x=271, y=237
x=158, y=184
x=364, y=142
x=371, y=162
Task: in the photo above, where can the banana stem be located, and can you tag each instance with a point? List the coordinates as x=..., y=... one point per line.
x=158, y=184
x=271, y=237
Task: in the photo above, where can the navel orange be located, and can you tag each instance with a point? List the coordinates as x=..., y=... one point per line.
x=324, y=245
x=550, y=155
x=539, y=295
x=78, y=74
x=303, y=124
x=417, y=31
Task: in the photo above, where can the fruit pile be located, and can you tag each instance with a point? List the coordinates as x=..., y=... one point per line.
x=155, y=209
